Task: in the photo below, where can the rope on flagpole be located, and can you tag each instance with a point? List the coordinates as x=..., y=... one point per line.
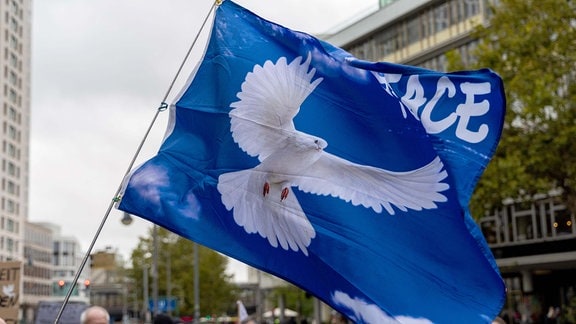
x=117, y=196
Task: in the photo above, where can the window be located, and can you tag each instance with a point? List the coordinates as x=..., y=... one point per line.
x=10, y=245
x=11, y=169
x=471, y=8
x=413, y=30
x=10, y=206
x=386, y=42
x=441, y=17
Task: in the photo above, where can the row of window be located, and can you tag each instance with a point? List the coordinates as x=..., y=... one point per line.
x=37, y=272
x=15, y=7
x=38, y=255
x=10, y=168
x=10, y=206
x=532, y=221
x=9, y=244
x=418, y=27
x=13, y=79
x=440, y=62
x=37, y=289
x=12, y=114
x=12, y=60
x=16, y=30
x=13, y=96
x=11, y=150
x=12, y=132
x=38, y=238
x=63, y=273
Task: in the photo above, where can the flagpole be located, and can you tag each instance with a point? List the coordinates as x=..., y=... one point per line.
x=117, y=197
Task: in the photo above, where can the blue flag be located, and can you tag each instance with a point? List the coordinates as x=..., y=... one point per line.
x=347, y=178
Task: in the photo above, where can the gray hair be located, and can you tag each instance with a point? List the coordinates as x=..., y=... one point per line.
x=84, y=319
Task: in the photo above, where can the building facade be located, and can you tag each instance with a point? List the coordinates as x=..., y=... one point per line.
x=15, y=61
x=108, y=286
x=416, y=32
x=67, y=257
x=38, y=269
x=533, y=241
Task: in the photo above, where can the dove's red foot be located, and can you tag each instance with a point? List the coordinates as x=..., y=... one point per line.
x=284, y=194
x=266, y=189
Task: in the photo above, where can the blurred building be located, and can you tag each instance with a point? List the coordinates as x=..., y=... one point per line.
x=67, y=256
x=15, y=60
x=37, y=278
x=414, y=32
x=108, y=285
x=15, y=79
x=534, y=243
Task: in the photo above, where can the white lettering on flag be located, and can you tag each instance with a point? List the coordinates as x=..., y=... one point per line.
x=462, y=114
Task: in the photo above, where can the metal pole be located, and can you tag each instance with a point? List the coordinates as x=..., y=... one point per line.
x=169, y=281
x=145, y=294
x=317, y=310
x=124, y=302
x=259, y=306
x=155, y=271
x=196, y=286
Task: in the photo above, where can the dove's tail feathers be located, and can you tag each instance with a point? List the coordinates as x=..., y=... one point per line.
x=282, y=222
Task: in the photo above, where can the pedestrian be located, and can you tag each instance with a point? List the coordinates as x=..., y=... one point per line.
x=95, y=315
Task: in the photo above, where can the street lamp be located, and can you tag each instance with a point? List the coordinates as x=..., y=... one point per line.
x=126, y=219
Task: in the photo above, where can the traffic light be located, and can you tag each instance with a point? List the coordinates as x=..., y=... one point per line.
x=61, y=284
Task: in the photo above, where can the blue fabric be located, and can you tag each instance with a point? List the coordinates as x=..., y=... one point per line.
x=348, y=222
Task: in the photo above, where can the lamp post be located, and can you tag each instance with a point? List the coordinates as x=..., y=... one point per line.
x=168, y=241
x=145, y=294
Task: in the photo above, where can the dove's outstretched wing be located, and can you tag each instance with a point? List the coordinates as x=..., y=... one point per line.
x=270, y=98
x=373, y=187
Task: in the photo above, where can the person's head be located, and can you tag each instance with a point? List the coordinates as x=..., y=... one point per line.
x=498, y=320
x=163, y=319
x=95, y=315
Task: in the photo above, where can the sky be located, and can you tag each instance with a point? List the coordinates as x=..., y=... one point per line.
x=100, y=70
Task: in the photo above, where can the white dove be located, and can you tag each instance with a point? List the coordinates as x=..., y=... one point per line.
x=261, y=124
x=8, y=290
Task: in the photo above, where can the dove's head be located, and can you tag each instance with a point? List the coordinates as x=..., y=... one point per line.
x=320, y=143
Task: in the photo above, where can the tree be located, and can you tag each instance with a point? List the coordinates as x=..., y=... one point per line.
x=217, y=293
x=294, y=298
x=532, y=45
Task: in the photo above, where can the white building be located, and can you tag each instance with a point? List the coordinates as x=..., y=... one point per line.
x=67, y=256
x=15, y=61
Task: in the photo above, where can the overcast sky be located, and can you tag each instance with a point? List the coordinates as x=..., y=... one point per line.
x=100, y=69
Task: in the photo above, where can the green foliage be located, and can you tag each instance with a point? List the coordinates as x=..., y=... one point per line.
x=531, y=44
x=294, y=298
x=217, y=293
